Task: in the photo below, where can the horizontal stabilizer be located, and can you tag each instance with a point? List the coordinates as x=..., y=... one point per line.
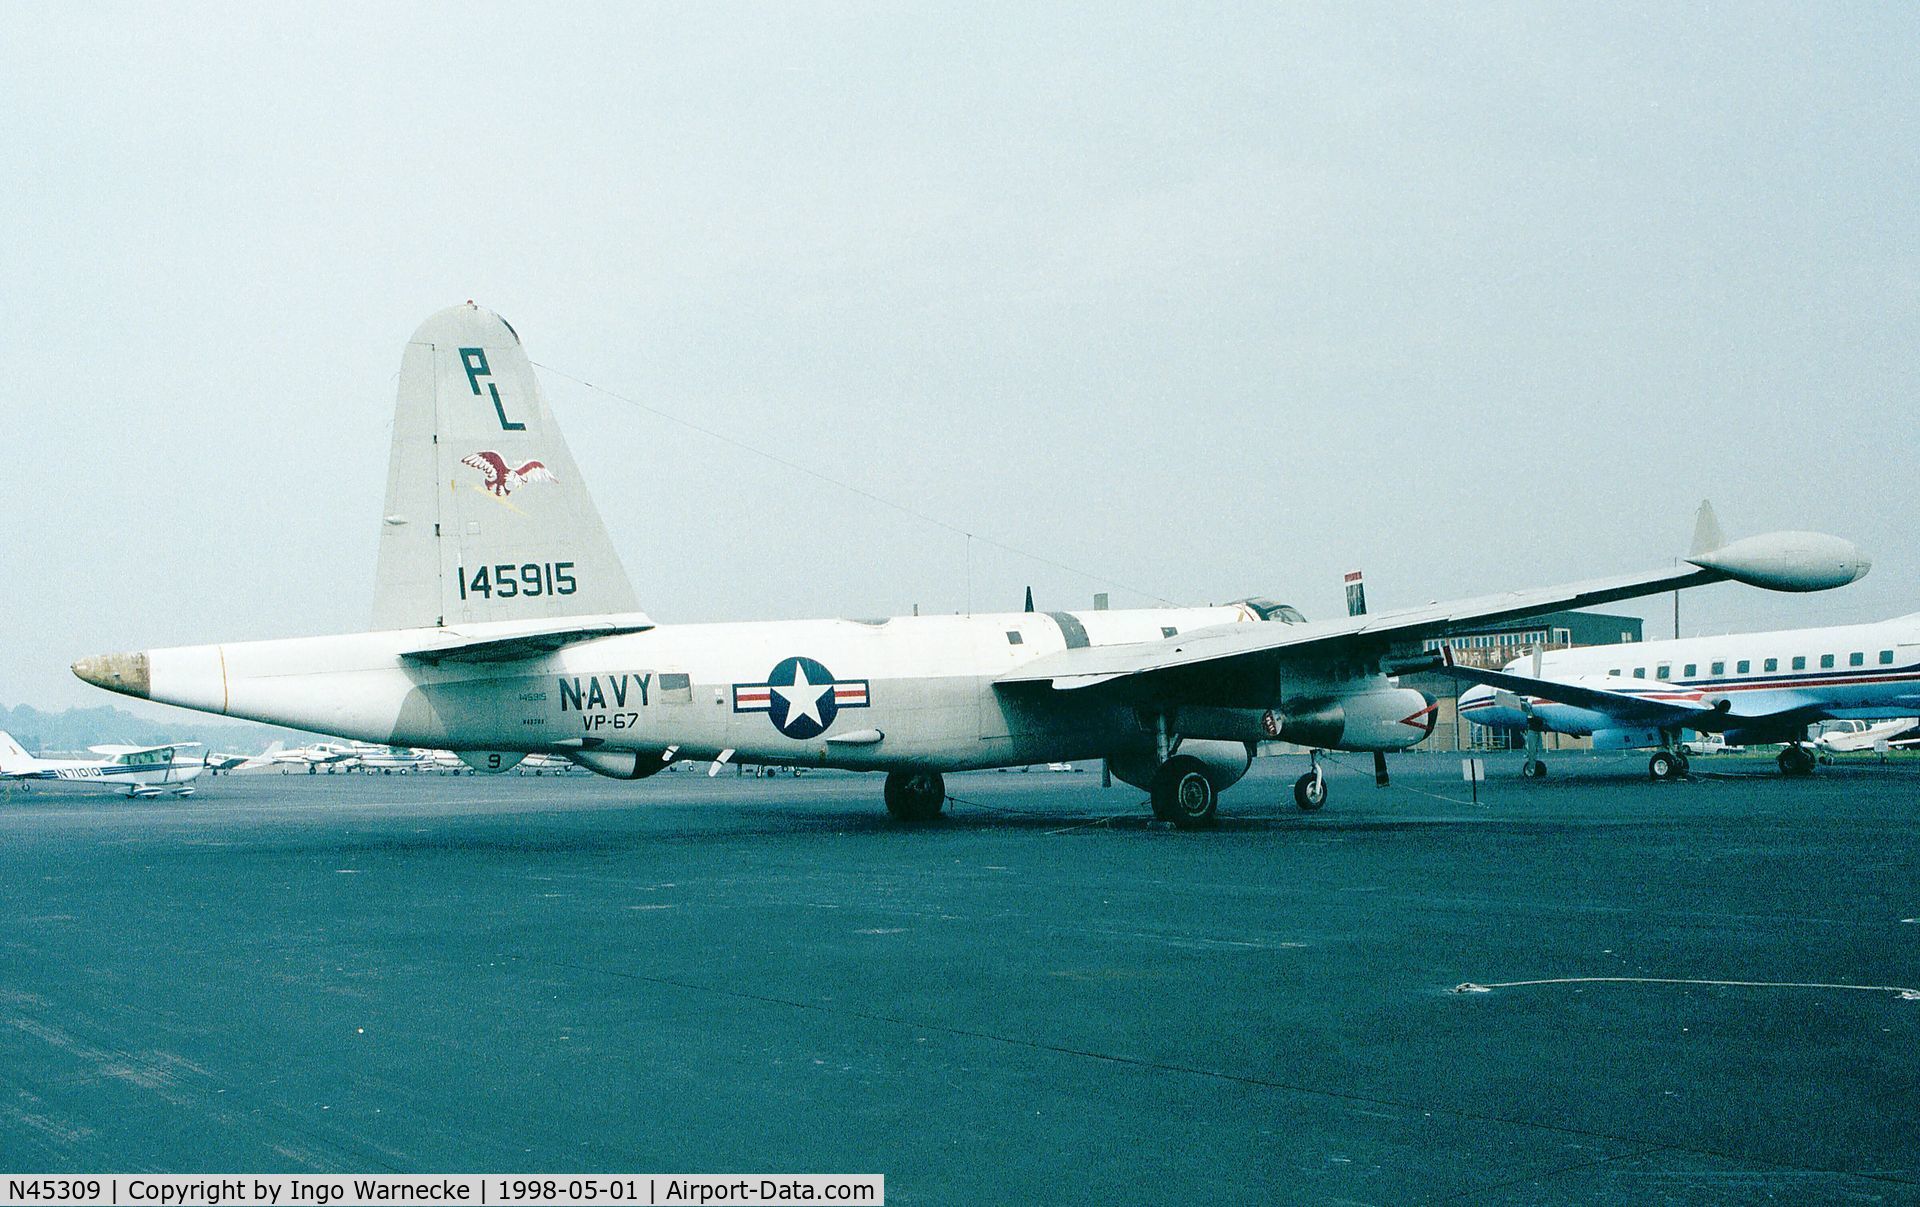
x=516, y=641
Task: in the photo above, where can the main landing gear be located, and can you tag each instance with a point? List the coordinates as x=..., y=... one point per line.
x=915, y=795
x=1667, y=765
x=1183, y=793
x=1796, y=760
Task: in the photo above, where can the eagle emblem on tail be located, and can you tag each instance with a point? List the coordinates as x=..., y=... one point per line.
x=503, y=479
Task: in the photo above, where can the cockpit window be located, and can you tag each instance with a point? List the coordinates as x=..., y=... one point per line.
x=1267, y=609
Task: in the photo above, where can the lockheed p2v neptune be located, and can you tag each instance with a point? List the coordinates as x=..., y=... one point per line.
x=505, y=625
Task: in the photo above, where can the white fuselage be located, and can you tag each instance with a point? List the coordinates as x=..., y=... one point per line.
x=911, y=691
x=1864, y=671
x=136, y=773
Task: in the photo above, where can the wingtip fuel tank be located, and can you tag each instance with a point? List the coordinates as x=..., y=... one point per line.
x=1788, y=561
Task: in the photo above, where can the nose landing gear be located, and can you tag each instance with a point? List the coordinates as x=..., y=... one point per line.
x=1310, y=790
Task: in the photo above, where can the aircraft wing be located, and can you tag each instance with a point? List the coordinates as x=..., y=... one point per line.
x=118, y=751
x=1662, y=705
x=1233, y=663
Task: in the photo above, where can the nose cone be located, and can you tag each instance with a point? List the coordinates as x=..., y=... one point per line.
x=124, y=673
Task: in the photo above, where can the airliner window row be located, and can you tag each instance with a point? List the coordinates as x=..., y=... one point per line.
x=1771, y=666
x=1500, y=640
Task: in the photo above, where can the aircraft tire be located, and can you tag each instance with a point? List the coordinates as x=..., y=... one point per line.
x=1183, y=793
x=1664, y=766
x=1795, y=761
x=1310, y=792
x=1534, y=769
x=915, y=795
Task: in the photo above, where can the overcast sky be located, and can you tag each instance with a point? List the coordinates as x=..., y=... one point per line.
x=1206, y=302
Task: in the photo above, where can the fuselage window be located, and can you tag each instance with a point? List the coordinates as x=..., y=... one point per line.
x=1886, y=657
x=1771, y=665
x=1689, y=671
x=1826, y=662
x=1856, y=659
x=1639, y=672
x=1168, y=631
x=1614, y=673
x=1742, y=667
x=1719, y=668
x=1014, y=637
x=1799, y=662
x=1663, y=672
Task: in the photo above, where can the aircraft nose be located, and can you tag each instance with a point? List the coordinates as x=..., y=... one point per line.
x=127, y=674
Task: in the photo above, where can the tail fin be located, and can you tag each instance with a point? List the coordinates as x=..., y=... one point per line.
x=486, y=516
x=1706, y=531
x=12, y=756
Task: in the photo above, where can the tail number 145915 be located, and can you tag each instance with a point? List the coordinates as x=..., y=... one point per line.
x=507, y=580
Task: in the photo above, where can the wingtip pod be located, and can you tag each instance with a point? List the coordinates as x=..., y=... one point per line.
x=1788, y=561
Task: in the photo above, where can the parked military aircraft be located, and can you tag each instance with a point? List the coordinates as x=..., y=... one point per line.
x=504, y=624
x=1756, y=688
x=142, y=771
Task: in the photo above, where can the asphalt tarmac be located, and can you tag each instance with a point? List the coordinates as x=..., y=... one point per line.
x=1042, y=998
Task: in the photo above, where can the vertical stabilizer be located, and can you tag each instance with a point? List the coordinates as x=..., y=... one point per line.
x=12, y=756
x=486, y=515
x=1706, y=531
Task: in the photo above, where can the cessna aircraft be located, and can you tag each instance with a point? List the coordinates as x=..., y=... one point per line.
x=505, y=625
x=143, y=771
x=1753, y=687
x=1855, y=737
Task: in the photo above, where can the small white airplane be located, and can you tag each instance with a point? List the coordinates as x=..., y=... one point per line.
x=504, y=625
x=1753, y=688
x=224, y=764
x=372, y=756
x=330, y=756
x=143, y=771
x=548, y=764
x=1854, y=737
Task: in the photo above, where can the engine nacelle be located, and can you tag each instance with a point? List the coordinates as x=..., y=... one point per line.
x=1225, y=762
x=619, y=764
x=1393, y=719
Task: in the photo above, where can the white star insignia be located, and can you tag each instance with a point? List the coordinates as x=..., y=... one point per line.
x=802, y=697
